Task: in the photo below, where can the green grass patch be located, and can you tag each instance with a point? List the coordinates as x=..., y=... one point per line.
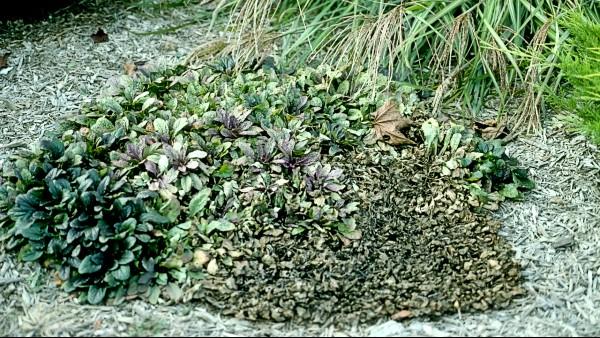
x=580, y=66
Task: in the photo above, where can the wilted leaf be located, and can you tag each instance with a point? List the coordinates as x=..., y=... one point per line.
x=129, y=68
x=4, y=60
x=201, y=257
x=490, y=129
x=174, y=292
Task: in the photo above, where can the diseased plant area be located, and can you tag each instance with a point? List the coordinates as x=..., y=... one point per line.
x=227, y=186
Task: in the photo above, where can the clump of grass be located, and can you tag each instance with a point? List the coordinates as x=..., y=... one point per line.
x=580, y=65
x=464, y=49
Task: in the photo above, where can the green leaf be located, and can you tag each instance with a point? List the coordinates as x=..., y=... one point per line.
x=154, y=295
x=147, y=104
x=198, y=202
x=225, y=171
x=171, y=208
x=163, y=163
x=161, y=126
x=455, y=141
x=186, y=184
x=185, y=226
x=110, y=104
x=90, y=264
x=431, y=132
x=102, y=125
x=221, y=225
x=33, y=232
x=148, y=264
x=54, y=147
x=126, y=258
x=521, y=180
x=343, y=88
x=476, y=176
x=122, y=273
x=199, y=154
x=153, y=216
x=510, y=191
x=95, y=294
x=179, y=124
x=30, y=254
x=298, y=230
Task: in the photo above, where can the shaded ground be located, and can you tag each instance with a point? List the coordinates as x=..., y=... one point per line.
x=555, y=232
x=31, y=10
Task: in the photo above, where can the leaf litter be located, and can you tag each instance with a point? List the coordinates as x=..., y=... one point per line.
x=408, y=263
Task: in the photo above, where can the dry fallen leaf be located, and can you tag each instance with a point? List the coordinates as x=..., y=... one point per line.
x=99, y=36
x=490, y=129
x=129, y=68
x=150, y=127
x=201, y=257
x=57, y=280
x=212, y=267
x=387, y=124
x=133, y=68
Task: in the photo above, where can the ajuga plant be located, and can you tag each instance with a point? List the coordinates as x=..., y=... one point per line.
x=126, y=199
x=481, y=163
x=120, y=195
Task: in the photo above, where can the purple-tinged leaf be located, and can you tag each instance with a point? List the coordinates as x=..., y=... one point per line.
x=308, y=159
x=151, y=167
x=134, y=151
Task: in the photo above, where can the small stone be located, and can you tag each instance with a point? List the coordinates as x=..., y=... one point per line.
x=403, y=314
x=493, y=263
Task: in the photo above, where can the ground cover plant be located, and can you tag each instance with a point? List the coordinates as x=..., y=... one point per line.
x=232, y=187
